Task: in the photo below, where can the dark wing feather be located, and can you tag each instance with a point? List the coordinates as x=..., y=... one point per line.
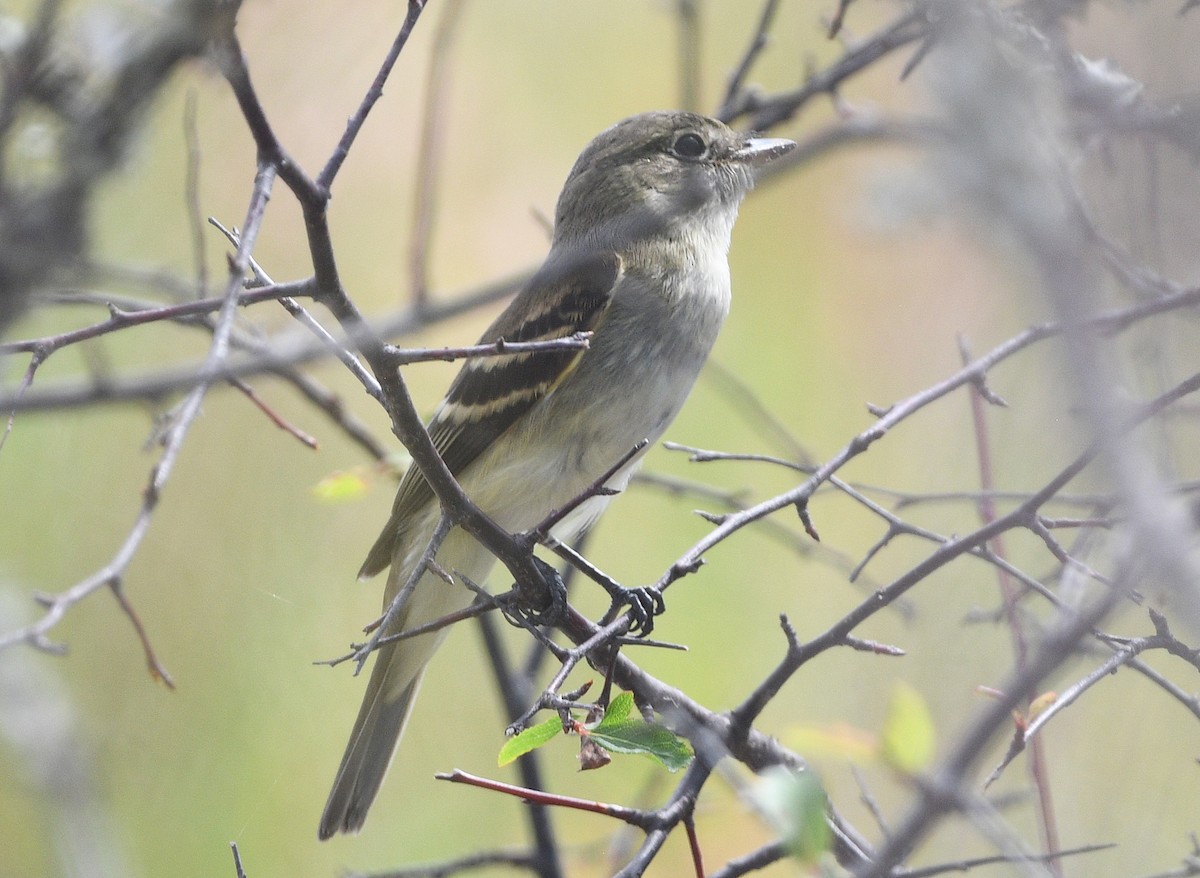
x=491, y=393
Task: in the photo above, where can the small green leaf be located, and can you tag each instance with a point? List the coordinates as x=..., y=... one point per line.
x=637, y=736
x=618, y=733
x=618, y=709
x=341, y=486
x=530, y=739
x=794, y=803
x=908, y=738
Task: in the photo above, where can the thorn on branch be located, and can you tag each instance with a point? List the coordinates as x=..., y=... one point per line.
x=879, y=546
x=273, y=416
x=577, y=694
x=839, y=16
x=1016, y=746
x=625, y=640
x=789, y=631
x=979, y=380
x=158, y=671
x=802, y=511
x=46, y=645
x=987, y=394
x=681, y=569
x=485, y=604
x=441, y=573
x=923, y=49
x=237, y=861
x=1157, y=619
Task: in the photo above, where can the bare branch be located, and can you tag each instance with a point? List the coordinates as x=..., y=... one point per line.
x=111, y=574
x=429, y=151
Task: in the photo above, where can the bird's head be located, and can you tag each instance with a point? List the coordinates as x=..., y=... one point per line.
x=654, y=172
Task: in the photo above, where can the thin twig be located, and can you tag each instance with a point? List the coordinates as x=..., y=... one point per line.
x=112, y=573
x=688, y=18
x=384, y=625
x=374, y=93
x=632, y=816
x=192, y=194
x=1038, y=768
x=514, y=859
x=429, y=151
x=238, y=871
x=975, y=862
x=737, y=80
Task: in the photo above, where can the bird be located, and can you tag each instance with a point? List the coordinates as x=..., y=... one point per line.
x=638, y=258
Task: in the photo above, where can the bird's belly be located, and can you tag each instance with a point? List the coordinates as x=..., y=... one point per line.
x=570, y=443
x=627, y=388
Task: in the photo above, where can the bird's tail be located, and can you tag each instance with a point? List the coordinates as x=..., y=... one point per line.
x=381, y=720
x=396, y=677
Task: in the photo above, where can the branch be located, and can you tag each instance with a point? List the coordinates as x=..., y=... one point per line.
x=111, y=575
x=374, y=93
x=429, y=152
x=512, y=859
x=734, y=91
x=939, y=792
x=766, y=112
x=1116, y=320
x=632, y=816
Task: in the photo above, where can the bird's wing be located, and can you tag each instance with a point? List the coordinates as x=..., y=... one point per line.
x=491, y=393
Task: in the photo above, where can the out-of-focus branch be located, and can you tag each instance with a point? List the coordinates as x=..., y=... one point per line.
x=1039, y=772
x=49, y=752
x=267, y=359
x=429, y=152
x=98, y=108
x=112, y=574
x=735, y=95
x=765, y=112
x=943, y=788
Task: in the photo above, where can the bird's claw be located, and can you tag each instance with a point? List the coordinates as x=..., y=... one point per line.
x=644, y=604
x=556, y=589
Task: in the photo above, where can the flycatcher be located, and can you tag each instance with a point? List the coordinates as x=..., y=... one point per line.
x=638, y=258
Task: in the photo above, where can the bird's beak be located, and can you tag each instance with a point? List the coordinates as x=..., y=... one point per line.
x=758, y=151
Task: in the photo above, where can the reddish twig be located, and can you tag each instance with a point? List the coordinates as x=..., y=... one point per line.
x=632, y=816
x=1038, y=768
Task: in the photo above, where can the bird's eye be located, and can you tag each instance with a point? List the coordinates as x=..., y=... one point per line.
x=689, y=146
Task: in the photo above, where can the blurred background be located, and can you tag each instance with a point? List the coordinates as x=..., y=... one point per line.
x=852, y=286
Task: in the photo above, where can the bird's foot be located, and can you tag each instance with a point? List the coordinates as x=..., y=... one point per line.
x=644, y=604
x=554, y=588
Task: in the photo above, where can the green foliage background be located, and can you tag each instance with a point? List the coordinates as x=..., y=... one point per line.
x=246, y=578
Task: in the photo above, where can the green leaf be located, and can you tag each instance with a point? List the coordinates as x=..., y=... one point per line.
x=646, y=739
x=617, y=733
x=618, y=709
x=794, y=803
x=341, y=486
x=530, y=739
x=908, y=735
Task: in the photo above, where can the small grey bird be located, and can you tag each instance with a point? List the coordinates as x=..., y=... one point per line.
x=641, y=234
